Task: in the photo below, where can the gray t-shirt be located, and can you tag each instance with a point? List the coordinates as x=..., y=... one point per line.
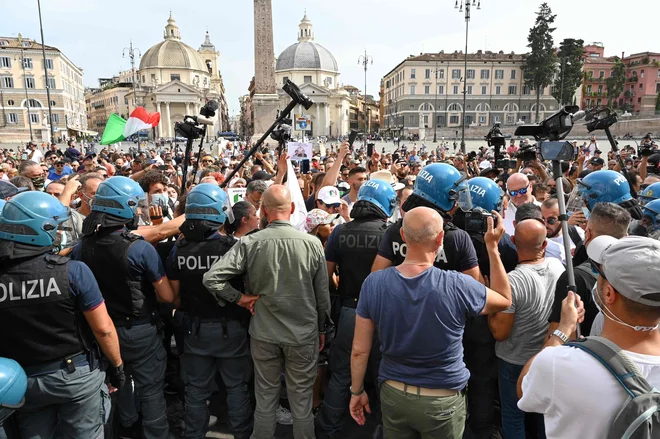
x=532, y=294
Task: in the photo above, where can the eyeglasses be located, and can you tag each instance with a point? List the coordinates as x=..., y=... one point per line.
x=552, y=220
x=335, y=205
x=595, y=267
x=522, y=191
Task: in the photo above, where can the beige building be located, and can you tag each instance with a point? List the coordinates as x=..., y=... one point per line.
x=110, y=97
x=315, y=71
x=177, y=80
x=413, y=93
x=21, y=71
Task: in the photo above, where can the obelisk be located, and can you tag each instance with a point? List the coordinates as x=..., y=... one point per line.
x=265, y=101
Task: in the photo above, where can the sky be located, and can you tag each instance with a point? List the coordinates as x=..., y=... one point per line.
x=93, y=33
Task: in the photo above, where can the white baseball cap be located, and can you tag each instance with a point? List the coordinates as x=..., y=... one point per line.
x=329, y=195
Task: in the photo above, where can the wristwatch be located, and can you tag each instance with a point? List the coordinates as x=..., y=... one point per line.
x=560, y=335
x=358, y=393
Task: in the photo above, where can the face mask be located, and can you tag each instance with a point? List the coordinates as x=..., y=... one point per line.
x=596, y=297
x=159, y=200
x=38, y=182
x=173, y=200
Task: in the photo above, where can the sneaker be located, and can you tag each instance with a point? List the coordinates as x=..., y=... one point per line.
x=283, y=416
x=212, y=420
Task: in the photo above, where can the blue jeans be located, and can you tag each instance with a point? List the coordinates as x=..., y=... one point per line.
x=206, y=352
x=144, y=359
x=64, y=404
x=513, y=419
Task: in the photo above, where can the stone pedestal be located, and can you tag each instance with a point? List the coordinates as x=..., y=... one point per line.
x=265, y=108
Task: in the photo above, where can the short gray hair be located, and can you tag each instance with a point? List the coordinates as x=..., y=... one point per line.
x=257, y=186
x=610, y=219
x=25, y=165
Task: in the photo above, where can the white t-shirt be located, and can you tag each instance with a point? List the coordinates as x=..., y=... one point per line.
x=555, y=248
x=37, y=156
x=510, y=216
x=578, y=397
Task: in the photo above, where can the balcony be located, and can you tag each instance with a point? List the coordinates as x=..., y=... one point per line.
x=632, y=78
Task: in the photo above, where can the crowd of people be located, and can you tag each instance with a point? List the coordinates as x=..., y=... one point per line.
x=424, y=292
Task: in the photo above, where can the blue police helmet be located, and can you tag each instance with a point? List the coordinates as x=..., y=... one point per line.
x=652, y=192
x=13, y=384
x=118, y=196
x=604, y=186
x=208, y=202
x=442, y=185
x=32, y=218
x=379, y=193
x=485, y=193
x=652, y=211
x=2, y=204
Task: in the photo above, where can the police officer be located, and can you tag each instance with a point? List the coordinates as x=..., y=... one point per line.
x=650, y=193
x=51, y=310
x=13, y=384
x=478, y=342
x=441, y=187
x=651, y=219
x=353, y=247
x=216, y=337
x=131, y=277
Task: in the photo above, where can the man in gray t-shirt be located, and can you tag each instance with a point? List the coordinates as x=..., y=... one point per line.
x=520, y=330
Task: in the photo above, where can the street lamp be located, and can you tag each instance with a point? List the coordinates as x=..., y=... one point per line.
x=435, y=104
x=468, y=6
x=561, y=88
x=365, y=60
x=43, y=53
x=27, y=100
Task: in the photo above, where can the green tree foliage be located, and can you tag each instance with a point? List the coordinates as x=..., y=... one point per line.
x=570, y=59
x=540, y=63
x=616, y=82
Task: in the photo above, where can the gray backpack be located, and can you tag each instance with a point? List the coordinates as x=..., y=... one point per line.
x=639, y=417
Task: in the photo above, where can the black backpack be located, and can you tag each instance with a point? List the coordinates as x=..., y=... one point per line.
x=639, y=417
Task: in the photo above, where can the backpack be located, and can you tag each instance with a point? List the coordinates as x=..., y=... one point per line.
x=639, y=417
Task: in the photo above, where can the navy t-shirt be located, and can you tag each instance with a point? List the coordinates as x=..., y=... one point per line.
x=457, y=251
x=83, y=286
x=420, y=323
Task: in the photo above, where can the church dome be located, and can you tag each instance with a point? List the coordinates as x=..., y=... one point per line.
x=306, y=54
x=172, y=53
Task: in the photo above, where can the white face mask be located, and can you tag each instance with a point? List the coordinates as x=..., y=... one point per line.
x=604, y=310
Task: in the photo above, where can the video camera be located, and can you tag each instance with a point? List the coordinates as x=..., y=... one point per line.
x=476, y=221
x=495, y=138
x=193, y=127
x=555, y=127
x=527, y=153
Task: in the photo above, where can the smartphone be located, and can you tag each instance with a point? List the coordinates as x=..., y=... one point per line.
x=351, y=138
x=370, y=149
x=586, y=212
x=395, y=156
x=163, y=168
x=304, y=166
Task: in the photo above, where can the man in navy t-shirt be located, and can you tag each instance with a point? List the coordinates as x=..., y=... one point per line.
x=420, y=313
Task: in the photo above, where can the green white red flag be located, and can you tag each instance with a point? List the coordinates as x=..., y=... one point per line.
x=118, y=129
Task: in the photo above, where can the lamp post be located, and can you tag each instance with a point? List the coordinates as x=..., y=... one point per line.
x=365, y=60
x=43, y=53
x=27, y=100
x=131, y=54
x=435, y=104
x=468, y=6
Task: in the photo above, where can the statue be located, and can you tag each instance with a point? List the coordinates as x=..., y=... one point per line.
x=45, y=121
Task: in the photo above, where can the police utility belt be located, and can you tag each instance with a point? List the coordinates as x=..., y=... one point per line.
x=69, y=364
x=191, y=325
x=129, y=322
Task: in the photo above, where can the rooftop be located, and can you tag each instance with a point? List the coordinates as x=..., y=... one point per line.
x=458, y=55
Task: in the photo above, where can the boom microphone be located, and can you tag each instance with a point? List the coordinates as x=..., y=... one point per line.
x=578, y=116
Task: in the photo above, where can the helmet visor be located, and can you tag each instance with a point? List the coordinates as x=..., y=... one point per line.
x=144, y=212
x=461, y=193
x=69, y=233
x=226, y=209
x=576, y=199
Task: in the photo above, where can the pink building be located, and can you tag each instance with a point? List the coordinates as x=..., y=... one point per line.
x=597, y=68
x=643, y=84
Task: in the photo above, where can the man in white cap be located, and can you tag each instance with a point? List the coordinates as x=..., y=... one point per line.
x=564, y=383
x=328, y=200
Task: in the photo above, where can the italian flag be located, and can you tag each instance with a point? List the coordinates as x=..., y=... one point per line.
x=118, y=129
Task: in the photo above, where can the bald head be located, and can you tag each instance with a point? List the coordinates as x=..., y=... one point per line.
x=421, y=227
x=277, y=198
x=530, y=236
x=517, y=182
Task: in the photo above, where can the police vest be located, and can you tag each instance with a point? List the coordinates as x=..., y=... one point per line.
x=107, y=257
x=357, y=244
x=193, y=260
x=39, y=320
x=446, y=259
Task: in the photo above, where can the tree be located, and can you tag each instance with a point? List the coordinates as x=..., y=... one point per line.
x=570, y=59
x=616, y=82
x=540, y=62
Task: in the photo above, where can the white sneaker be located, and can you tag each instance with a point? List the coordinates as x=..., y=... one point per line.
x=283, y=416
x=212, y=420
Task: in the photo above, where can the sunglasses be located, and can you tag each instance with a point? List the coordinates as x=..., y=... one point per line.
x=552, y=220
x=335, y=205
x=522, y=191
x=595, y=267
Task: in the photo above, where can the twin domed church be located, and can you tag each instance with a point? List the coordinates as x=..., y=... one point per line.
x=175, y=80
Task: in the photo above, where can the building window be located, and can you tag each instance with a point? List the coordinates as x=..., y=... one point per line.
x=601, y=74
x=11, y=102
x=484, y=90
x=426, y=107
x=590, y=74
x=485, y=74
x=51, y=83
x=33, y=103
x=49, y=64
x=470, y=74
x=588, y=88
x=412, y=73
x=5, y=62
x=482, y=119
x=498, y=90
x=497, y=119
x=598, y=102
x=455, y=89
x=29, y=82
x=307, y=79
x=541, y=91
x=453, y=119
x=641, y=74
x=426, y=120
x=174, y=77
x=525, y=90
x=469, y=89
x=513, y=74
x=453, y=107
x=524, y=107
x=588, y=103
x=456, y=74
x=34, y=118
x=427, y=89
x=427, y=74
x=286, y=78
x=639, y=100
x=412, y=107
x=600, y=89
x=328, y=81
x=412, y=89
x=441, y=74
x=411, y=120
x=496, y=108
x=56, y=118
x=441, y=89
x=641, y=87
x=27, y=63
x=513, y=89
x=7, y=82
x=499, y=74
x=12, y=118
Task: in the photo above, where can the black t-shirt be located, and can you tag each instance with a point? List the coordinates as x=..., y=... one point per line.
x=457, y=254
x=584, y=282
